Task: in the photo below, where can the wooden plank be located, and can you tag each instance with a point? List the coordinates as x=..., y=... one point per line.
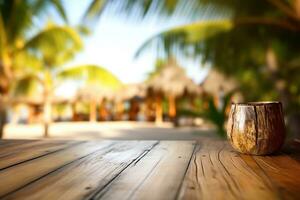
x=6, y=143
x=83, y=177
x=13, y=146
x=218, y=172
x=141, y=170
x=31, y=150
x=282, y=170
x=4, y=151
x=22, y=174
x=156, y=175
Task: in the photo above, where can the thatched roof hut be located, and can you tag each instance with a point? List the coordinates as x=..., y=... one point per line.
x=172, y=80
x=215, y=82
x=130, y=91
x=38, y=100
x=96, y=95
x=93, y=93
x=218, y=85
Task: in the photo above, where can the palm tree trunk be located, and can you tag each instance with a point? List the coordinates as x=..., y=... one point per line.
x=102, y=110
x=172, y=107
x=134, y=109
x=93, y=110
x=31, y=113
x=149, y=108
x=47, y=116
x=119, y=111
x=158, y=110
x=3, y=118
x=5, y=83
x=74, y=112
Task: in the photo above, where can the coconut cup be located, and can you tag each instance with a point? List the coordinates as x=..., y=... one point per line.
x=256, y=128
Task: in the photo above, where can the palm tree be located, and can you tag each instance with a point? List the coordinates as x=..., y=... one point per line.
x=45, y=54
x=16, y=28
x=49, y=78
x=49, y=49
x=239, y=12
x=254, y=41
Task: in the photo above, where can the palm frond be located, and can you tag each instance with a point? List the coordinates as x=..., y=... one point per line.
x=173, y=40
x=60, y=9
x=40, y=7
x=94, y=10
x=55, y=44
x=26, y=63
x=91, y=75
x=193, y=9
x=26, y=86
x=18, y=16
x=17, y=19
x=2, y=38
x=136, y=9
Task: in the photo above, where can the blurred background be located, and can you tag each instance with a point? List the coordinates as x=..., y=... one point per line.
x=144, y=69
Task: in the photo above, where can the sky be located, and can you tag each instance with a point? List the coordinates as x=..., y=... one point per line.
x=113, y=44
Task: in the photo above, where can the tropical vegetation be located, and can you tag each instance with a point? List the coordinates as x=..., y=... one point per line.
x=254, y=41
x=18, y=36
x=32, y=55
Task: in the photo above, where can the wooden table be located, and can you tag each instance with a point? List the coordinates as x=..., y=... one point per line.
x=207, y=169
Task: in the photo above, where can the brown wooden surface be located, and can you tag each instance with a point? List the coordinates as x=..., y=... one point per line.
x=206, y=169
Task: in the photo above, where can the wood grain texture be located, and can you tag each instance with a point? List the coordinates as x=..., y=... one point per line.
x=209, y=169
x=218, y=172
x=156, y=175
x=256, y=128
x=282, y=170
x=85, y=176
x=22, y=152
x=6, y=143
x=22, y=174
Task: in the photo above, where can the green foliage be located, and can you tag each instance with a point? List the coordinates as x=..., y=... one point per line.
x=60, y=109
x=55, y=44
x=238, y=47
x=26, y=86
x=3, y=38
x=26, y=63
x=188, y=113
x=16, y=27
x=35, y=63
x=218, y=115
x=83, y=30
x=91, y=75
x=17, y=16
x=139, y=9
x=94, y=10
x=182, y=38
x=58, y=4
